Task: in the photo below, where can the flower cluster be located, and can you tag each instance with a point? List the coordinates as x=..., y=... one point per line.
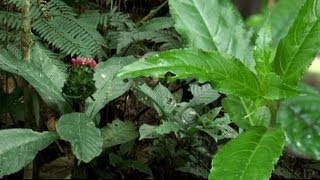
x=76, y=62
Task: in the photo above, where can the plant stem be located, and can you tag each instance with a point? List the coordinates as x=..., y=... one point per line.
x=273, y=106
x=153, y=12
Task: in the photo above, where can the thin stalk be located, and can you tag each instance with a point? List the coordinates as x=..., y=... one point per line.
x=273, y=106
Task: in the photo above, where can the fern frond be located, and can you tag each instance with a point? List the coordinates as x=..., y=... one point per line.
x=157, y=23
x=120, y=20
x=10, y=19
x=58, y=7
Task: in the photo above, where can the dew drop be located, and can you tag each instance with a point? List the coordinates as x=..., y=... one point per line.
x=298, y=144
x=103, y=76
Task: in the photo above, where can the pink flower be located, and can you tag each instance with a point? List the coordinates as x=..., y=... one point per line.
x=76, y=62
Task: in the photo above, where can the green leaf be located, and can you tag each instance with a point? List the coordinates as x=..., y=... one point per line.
x=168, y=127
x=299, y=48
x=262, y=51
x=202, y=95
x=18, y=147
x=157, y=23
x=38, y=78
x=80, y=131
x=212, y=25
x=118, y=132
x=281, y=17
x=252, y=155
x=245, y=112
x=148, y=132
x=159, y=98
x=299, y=117
x=228, y=75
x=141, y=167
x=108, y=87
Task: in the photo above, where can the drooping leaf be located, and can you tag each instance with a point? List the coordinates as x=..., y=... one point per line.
x=212, y=25
x=118, y=132
x=251, y=155
x=299, y=117
x=80, y=131
x=245, y=112
x=262, y=51
x=18, y=147
x=298, y=49
x=108, y=87
x=227, y=74
x=281, y=17
x=48, y=90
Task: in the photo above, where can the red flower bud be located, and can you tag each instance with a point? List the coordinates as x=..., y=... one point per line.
x=76, y=62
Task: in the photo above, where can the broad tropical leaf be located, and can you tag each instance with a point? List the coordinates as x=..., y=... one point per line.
x=80, y=131
x=46, y=86
x=118, y=132
x=300, y=117
x=245, y=112
x=148, y=132
x=227, y=74
x=298, y=49
x=251, y=155
x=168, y=127
x=212, y=25
x=18, y=147
x=108, y=87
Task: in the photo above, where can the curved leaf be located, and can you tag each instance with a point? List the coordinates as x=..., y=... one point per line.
x=80, y=131
x=18, y=147
x=299, y=48
x=227, y=74
x=212, y=25
x=202, y=95
x=108, y=87
x=251, y=155
x=118, y=132
x=299, y=117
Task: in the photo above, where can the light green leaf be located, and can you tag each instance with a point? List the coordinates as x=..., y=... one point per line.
x=159, y=98
x=168, y=127
x=275, y=89
x=245, y=112
x=50, y=92
x=298, y=49
x=299, y=117
x=262, y=51
x=118, y=132
x=252, y=155
x=108, y=87
x=80, y=131
x=281, y=17
x=148, y=132
x=202, y=95
x=18, y=147
x=157, y=23
x=212, y=25
x=227, y=74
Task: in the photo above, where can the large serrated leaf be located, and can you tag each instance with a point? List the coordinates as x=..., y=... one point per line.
x=80, y=131
x=38, y=78
x=18, y=147
x=298, y=49
x=212, y=25
x=118, y=132
x=108, y=87
x=299, y=117
x=227, y=74
x=251, y=155
x=245, y=113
